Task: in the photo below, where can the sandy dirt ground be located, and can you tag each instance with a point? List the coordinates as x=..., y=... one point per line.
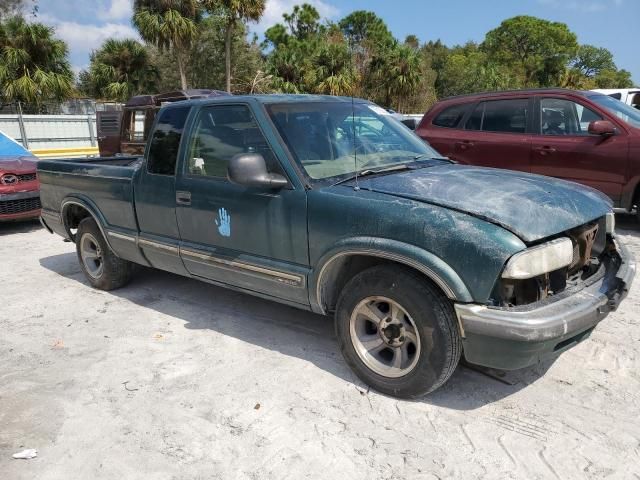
x=170, y=378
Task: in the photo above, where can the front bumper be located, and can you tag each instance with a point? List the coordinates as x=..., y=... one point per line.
x=512, y=338
x=20, y=205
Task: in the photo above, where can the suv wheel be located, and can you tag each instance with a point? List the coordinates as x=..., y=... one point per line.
x=397, y=331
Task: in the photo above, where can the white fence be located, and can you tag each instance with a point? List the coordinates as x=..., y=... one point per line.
x=38, y=132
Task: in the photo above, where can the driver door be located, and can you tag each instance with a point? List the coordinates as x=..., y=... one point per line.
x=563, y=147
x=251, y=238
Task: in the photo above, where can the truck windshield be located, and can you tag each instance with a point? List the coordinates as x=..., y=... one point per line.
x=331, y=140
x=623, y=111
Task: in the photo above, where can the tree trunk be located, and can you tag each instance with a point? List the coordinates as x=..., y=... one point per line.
x=227, y=52
x=183, y=75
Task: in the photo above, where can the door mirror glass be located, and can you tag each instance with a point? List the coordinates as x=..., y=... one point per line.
x=250, y=170
x=602, y=127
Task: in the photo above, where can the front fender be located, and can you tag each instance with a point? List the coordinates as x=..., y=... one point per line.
x=415, y=257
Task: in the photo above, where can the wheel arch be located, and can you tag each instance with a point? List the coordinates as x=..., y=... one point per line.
x=76, y=209
x=339, y=265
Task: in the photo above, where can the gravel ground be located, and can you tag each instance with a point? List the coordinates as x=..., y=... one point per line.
x=170, y=378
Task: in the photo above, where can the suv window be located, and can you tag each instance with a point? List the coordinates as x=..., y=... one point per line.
x=165, y=143
x=564, y=117
x=450, y=117
x=500, y=116
x=220, y=132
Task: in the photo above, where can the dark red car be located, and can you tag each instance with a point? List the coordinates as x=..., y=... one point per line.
x=19, y=187
x=584, y=137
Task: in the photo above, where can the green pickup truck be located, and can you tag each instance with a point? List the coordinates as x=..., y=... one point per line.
x=331, y=205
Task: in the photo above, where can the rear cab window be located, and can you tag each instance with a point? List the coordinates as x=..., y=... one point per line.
x=451, y=116
x=504, y=116
x=165, y=142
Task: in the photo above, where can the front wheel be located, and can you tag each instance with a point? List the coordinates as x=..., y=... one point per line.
x=102, y=267
x=397, y=331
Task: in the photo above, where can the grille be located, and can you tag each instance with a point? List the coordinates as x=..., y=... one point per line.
x=10, y=207
x=27, y=177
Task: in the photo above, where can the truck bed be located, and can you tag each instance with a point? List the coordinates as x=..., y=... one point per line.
x=106, y=183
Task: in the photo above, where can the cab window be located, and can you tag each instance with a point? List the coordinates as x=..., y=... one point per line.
x=221, y=132
x=564, y=117
x=165, y=143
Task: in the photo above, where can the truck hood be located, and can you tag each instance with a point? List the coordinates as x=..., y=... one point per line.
x=530, y=206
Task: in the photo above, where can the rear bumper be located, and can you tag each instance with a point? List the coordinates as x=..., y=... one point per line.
x=19, y=206
x=514, y=338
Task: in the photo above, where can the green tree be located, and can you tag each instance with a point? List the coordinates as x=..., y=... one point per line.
x=368, y=37
x=34, y=65
x=395, y=75
x=612, y=78
x=590, y=60
x=205, y=70
x=303, y=21
x=362, y=26
x=169, y=25
x=467, y=69
x=234, y=11
x=119, y=70
x=412, y=41
x=540, y=48
x=334, y=70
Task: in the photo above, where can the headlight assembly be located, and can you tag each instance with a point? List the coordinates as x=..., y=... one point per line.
x=540, y=259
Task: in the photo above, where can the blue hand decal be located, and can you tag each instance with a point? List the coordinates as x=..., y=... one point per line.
x=224, y=223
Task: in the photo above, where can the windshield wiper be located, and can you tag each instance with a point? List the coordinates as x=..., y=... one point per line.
x=364, y=173
x=429, y=157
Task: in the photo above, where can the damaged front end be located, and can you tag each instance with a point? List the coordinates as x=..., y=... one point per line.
x=547, y=313
x=588, y=253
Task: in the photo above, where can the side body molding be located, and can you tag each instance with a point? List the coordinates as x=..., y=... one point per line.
x=421, y=260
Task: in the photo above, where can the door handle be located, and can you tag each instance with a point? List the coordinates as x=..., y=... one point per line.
x=465, y=145
x=546, y=150
x=183, y=198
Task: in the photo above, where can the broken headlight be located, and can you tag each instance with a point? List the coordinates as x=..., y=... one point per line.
x=538, y=260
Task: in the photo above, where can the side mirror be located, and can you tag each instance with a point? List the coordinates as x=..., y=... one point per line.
x=250, y=170
x=602, y=127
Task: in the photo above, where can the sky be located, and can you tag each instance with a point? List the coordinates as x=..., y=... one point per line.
x=613, y=24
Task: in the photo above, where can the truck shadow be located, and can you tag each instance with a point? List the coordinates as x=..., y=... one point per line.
x=628, y=224
x=22, y=226
x=284, y=329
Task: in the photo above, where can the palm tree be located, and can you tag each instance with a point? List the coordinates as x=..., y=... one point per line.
x=395, y=75
x=120, y=69
x=34, y=65
x=170, y=25
x=234, y=11
x=333, y=67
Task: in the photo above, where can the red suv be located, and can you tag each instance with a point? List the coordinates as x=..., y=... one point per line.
x=585, y=137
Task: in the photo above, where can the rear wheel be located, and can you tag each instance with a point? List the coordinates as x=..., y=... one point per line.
x=103, y=268
x=397, y=331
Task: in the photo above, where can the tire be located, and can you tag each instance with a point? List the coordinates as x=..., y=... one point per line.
x=103, y=268
x=414, y=354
